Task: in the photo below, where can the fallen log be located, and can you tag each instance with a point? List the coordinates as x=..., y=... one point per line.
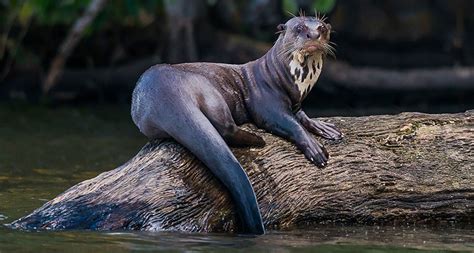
x=406, y=168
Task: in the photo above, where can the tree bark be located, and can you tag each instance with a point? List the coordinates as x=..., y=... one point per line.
x=406, y=168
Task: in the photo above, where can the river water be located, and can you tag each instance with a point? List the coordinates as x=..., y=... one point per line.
x=45, y=150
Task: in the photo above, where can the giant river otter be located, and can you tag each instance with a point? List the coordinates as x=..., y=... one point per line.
x=201, y=105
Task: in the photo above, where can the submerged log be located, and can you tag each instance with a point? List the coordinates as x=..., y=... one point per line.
x=407, y=168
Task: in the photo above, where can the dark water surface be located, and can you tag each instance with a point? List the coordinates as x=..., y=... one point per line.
x=44, y=151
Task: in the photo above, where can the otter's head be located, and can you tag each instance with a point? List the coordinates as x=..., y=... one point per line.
x=302, y=43
x=305, y=36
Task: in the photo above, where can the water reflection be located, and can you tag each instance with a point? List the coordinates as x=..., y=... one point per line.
x=323, y=239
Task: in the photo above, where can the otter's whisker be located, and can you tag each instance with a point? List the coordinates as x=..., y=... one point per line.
x=324, y=18
x=293, y=15
x=302, y=13
x=329, y=50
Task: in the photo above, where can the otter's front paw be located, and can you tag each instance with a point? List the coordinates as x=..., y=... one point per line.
x=326, y=130
x=315, y=152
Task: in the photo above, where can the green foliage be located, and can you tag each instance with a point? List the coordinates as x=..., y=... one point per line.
x=130, y=12
x=46, y=12
x=321, y=6
x=324, y=6
x=65, y=12
x=290, y=6
x=25, y=13
x=18, y=17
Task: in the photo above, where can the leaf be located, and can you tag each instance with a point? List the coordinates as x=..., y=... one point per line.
x=26, y=12
x=324, y=6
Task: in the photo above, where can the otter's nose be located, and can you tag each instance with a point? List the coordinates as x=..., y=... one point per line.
x=314, y=35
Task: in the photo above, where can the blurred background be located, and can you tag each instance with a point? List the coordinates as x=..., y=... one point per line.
x=392, y=56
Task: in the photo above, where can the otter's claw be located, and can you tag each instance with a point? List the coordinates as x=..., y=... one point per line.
x=316, y=153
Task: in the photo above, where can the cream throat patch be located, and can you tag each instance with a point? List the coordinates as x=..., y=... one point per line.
x=305, y=71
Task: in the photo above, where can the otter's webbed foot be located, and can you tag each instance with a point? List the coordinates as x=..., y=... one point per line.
x=325, y=130
x=321, y=128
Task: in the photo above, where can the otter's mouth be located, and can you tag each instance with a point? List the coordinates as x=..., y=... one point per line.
x=313, y=48
x=316, y=48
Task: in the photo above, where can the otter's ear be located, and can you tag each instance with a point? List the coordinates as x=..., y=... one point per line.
x=328, y=26
x=281, y=27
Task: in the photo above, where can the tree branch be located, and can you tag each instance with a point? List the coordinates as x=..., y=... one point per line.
x=68, y=45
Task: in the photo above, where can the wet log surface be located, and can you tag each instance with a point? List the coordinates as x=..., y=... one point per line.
x=407, y=168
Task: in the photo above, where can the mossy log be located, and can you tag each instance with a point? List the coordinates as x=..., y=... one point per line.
x=406, y=168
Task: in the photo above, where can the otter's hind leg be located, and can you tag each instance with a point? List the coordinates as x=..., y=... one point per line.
x=221, y=118
x=192, y=129
x=241, y=138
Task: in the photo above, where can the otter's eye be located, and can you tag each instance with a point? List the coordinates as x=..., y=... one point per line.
x=300, y=28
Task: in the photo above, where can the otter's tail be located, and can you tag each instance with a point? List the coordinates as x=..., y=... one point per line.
x=194, y=131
